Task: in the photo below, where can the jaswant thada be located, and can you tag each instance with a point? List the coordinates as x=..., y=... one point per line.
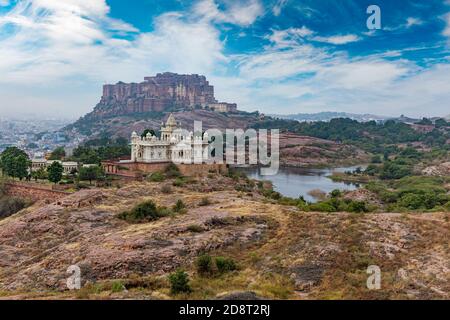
x=149, y=153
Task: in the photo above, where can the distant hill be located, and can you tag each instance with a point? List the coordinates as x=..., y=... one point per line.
x=328, y=115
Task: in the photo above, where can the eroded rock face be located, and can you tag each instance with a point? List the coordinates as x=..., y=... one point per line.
x=158, y=93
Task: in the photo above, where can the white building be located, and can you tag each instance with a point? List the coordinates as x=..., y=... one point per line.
x=175, y=145
x=68, y=166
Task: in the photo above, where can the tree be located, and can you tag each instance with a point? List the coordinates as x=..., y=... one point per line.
x=15, y=162
x=21, y=166
x=90, y=173
x=179, y=282
x=58, y=154
x=40, y=174
x=55, y=172
x=439, y=123
x=146, y=131
x=425, y=121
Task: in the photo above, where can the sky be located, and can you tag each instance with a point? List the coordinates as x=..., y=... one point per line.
x=275, y=56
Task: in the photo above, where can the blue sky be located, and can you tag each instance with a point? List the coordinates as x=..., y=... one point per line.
x=276, y=56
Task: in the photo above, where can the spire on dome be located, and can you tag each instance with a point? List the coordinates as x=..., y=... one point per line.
x=171, y=122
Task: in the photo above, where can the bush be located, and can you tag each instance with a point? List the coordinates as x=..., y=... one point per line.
x=172, y=171
x=11, y=205
x=447, y=206
x=376, y=159
x=398, y=170
x=372, y=170
x=166, y=189
x=322, y=207
x=179, y=206
x=145, y=211
x=336, y=193
x=204, y=202
x=179, y=282
x=357, y=207
x=204, y=265
x=156, y=177
x=225, y=264
x=195, y=228
x=179, y=182
x=117, y=286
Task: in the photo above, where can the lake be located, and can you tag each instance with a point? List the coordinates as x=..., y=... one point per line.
x=295, y=182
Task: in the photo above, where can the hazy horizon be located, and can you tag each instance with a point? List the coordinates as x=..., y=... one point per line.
x=274, y=56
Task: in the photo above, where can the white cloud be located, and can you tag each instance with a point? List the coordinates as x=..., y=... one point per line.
x=292, y=36
x=242, y=13
x=296, y=76
x=338, y=40
x=447, y=29
x=278, y=7
x=289, y=37
x=62, y=51
x=74, y=44
x=411, y=21
x=4, y=3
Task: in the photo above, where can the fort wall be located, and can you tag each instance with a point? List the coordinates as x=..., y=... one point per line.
x=33, y=191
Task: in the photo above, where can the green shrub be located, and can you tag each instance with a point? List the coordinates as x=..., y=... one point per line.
x=395, y=170
x=372, y=170
x=376, y=159
x=322, y=207
x=357, y=207
x=336, y=193
x=179, y=282
x=172, y=171
x=204, y=202
x=447, y=206
x=195, y=228
x=117, y=286
x=179, y=182
x=179, y=206
x=145, y=211
x=11, y=205
x=204, y=265
x=156, y=177
x=225, y=264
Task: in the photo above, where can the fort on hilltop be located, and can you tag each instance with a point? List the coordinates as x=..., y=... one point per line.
x=161, y=93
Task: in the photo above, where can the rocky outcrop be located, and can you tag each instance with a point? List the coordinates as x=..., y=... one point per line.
x=159, y=93
x=442, y=169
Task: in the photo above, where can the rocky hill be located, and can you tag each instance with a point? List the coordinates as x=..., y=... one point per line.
x=281, y=252
x=161, y=93
x=146, y=104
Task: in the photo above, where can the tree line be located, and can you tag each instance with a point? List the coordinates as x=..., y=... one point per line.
x=15, y=163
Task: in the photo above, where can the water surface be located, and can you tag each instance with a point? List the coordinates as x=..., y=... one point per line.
x=295, y=182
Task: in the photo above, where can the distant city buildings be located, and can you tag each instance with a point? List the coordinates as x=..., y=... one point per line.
x=36, y=137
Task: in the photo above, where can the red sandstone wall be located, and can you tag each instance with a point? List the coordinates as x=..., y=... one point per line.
x=201, y=169
x=136, y=169
x=33, y=192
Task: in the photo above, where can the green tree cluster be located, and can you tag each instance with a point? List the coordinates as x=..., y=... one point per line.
x=15, y=163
